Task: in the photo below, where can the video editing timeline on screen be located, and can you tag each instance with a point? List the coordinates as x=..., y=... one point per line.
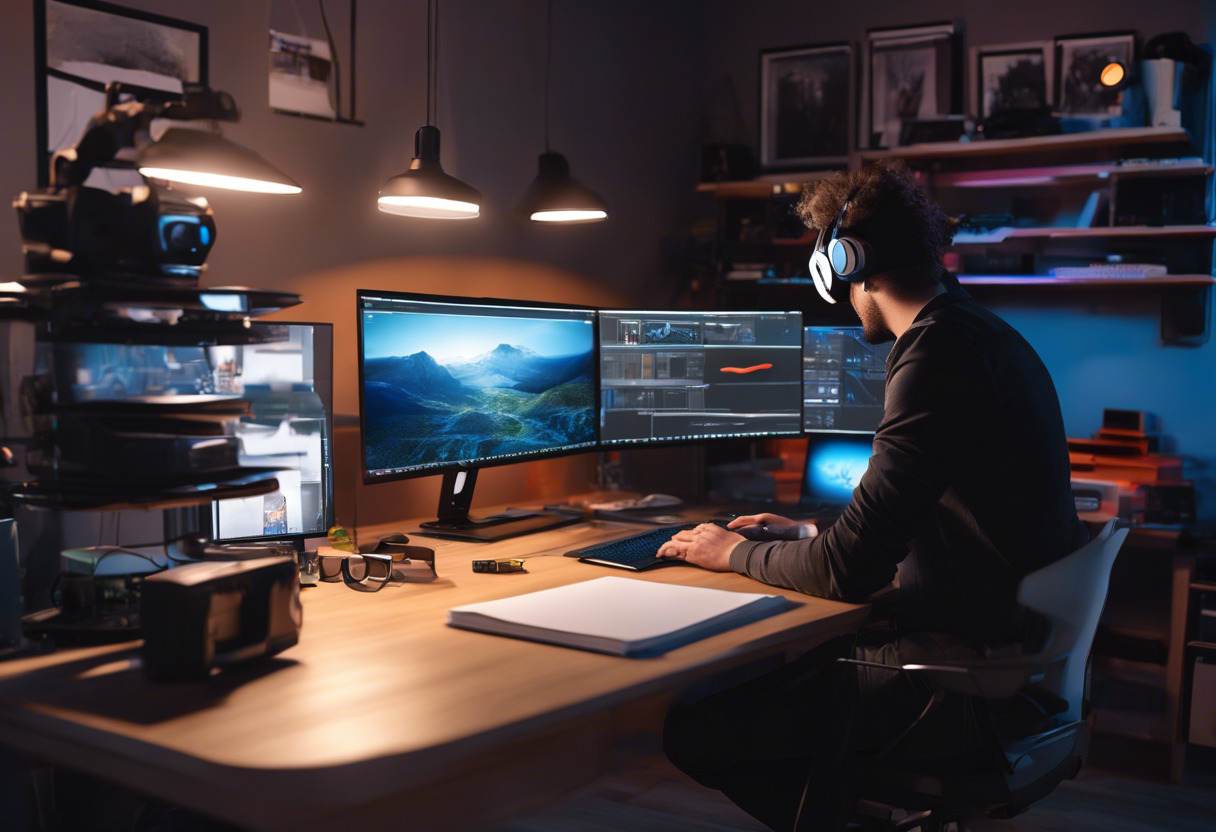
x=672, y=376
x=843, y=378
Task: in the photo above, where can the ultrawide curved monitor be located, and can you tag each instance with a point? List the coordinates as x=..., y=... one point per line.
x=455, y=384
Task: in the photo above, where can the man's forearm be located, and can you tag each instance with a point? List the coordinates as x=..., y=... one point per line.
x=792, y=564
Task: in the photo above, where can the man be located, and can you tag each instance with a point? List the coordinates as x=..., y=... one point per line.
x=967, y=491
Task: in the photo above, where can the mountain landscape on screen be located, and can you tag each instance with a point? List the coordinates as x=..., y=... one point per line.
x=510, y=400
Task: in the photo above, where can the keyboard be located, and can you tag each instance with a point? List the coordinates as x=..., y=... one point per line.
x=636, y=552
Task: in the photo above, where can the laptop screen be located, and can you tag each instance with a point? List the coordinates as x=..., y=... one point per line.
x=834, y=465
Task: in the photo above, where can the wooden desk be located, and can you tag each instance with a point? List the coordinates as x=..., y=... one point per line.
x=382, y=716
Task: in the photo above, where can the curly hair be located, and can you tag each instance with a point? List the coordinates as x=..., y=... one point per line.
x=889, y=210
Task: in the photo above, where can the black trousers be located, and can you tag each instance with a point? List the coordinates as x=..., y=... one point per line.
x=762, y=742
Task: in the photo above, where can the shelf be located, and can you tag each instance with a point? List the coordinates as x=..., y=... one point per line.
x=997, y=236
x=1067, y=174
x=765, y=186
x=1142, y=725
x=1037, y=144
x=1143, y=673
x=1204, y=586
x=1096, y=282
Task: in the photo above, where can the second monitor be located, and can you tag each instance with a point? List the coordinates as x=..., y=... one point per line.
x=844, y=377
x=689, y=376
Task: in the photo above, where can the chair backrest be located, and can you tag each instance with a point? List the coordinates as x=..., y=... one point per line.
x=1071, y=592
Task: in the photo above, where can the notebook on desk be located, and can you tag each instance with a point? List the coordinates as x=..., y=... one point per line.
x=621, y=616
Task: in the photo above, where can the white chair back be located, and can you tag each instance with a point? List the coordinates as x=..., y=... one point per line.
x=1071, y=592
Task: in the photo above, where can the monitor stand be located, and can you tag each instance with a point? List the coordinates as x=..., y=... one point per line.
x=454, y=523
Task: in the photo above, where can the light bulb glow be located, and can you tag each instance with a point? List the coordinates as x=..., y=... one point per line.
x=219, y=180
x=568, y=216
x=1112, y=74
x=428, y=207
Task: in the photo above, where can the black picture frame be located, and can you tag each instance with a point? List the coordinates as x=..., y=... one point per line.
x=806, y=105
x=88, y=30
x=1078, y=61
x=1024, y=72
x=909, y=72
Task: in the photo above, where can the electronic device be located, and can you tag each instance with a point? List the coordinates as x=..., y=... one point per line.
x=450, y=385
x=288, y=381
x=670, y=377
x=499, y=565
x=1106, y=271
x=834, y=466
x=843, y=257
x=636, y=553
x=843, y=380
x=202, y=615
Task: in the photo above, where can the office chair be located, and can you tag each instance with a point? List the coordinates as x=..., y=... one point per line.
x=1041, y=734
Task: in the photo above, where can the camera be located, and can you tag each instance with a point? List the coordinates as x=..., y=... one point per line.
x=144, y=231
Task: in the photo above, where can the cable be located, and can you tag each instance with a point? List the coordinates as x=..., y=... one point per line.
x=333, y=56
x=548, y=64
x=428, y=61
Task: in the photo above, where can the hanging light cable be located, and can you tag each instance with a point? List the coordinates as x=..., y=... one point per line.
x=424, y=190
x=555, y=196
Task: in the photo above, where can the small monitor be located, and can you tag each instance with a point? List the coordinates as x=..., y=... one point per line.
x=288, y=381
x=834, y=465
x=843, y=378
x=692, y=376
x=450, y=385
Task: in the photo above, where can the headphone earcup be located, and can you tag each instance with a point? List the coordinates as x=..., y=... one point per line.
x=847, y=258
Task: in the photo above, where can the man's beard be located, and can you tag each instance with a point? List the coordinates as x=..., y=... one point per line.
x=873, y=326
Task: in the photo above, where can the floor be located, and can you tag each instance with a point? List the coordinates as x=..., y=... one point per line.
x=650, y=795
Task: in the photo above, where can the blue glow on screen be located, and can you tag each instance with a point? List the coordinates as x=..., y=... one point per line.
x=834, y=467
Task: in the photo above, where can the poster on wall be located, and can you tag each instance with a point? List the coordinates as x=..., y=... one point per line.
x=806, y=106
x=81, y=45
x=1011, y=76
x=911, y=73
x=310, y=75
x=1079, y=63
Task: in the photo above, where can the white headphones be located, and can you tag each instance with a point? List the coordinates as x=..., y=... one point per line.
x=843, y=257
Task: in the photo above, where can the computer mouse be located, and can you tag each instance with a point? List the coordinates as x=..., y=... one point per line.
x=767, y=532
x=658, y=501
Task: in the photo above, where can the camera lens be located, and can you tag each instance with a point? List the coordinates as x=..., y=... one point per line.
x=181, y=237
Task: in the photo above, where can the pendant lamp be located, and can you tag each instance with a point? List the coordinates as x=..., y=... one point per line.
x=195, y=157
x=424, y=190
x=555, y=196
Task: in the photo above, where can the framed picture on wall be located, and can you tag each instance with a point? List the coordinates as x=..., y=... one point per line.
x=1079, y=63
x=81, y=45
x=910, y=73
x=1011, y=76
x=806, y=106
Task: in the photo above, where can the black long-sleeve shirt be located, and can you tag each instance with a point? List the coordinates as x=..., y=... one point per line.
x=967, y=490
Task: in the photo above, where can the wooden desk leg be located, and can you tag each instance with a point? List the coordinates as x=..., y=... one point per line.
x=16, y=793
x=1175, y=667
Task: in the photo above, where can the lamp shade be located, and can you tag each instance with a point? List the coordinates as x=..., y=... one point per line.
x=196, y=157
x=424, y=190
x=554, y=196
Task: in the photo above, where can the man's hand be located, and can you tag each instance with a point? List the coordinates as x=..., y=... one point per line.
x=774, y=520
x=708, y=546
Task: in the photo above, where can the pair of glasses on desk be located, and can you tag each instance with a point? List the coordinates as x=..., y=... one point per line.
x=389, y=560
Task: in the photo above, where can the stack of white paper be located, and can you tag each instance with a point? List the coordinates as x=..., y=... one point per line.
x=624, y=616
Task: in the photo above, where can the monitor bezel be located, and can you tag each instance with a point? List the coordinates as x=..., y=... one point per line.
x=296, y=538
x=634, y=444
x=459, y=300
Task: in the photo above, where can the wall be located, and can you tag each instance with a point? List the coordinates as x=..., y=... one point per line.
x=620, y=110
x=1102, y=351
